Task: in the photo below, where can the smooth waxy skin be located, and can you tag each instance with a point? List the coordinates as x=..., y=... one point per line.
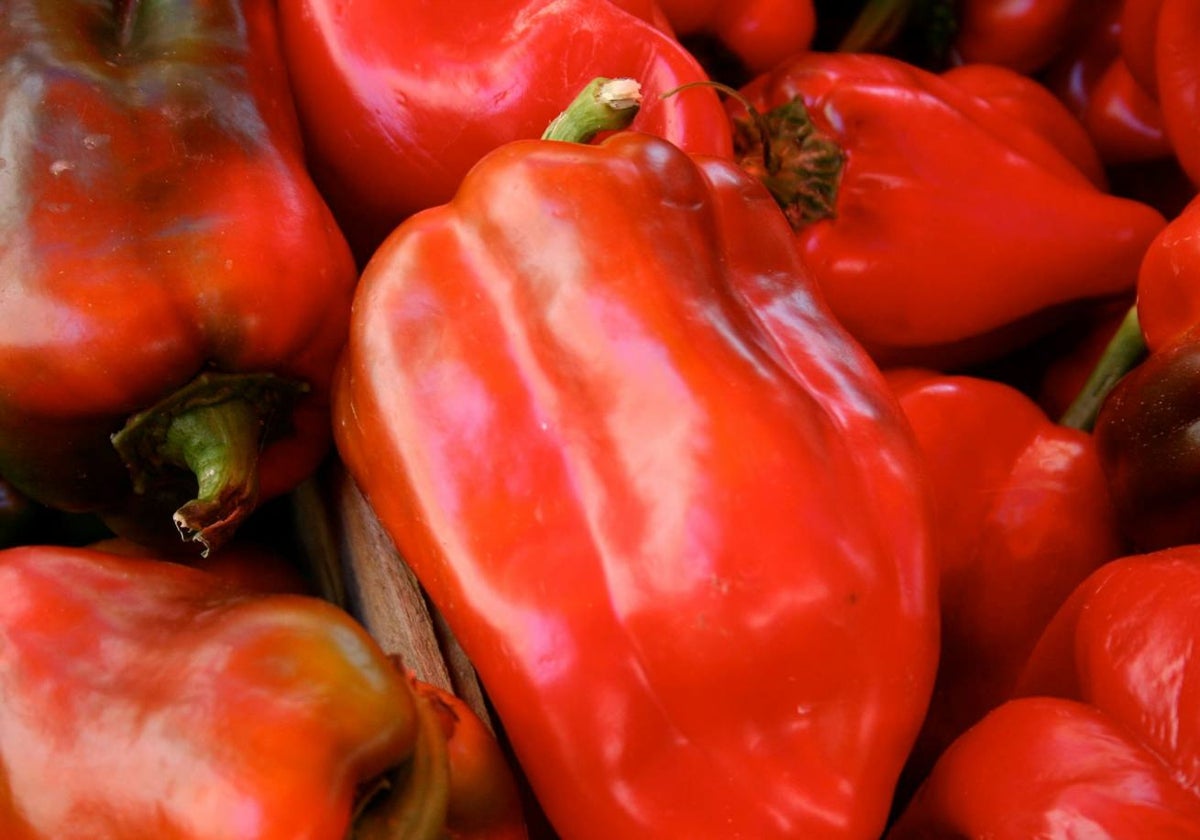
x=669, y=510
x=399, y=99
x=147, y=699
x=957, y=230
x=1049, y=767
x=1168, y=289
x=1103, y=737
x=1023, y=515
x=1146, y=433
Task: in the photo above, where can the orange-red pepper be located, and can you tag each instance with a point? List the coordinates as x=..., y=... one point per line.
x=148, y=699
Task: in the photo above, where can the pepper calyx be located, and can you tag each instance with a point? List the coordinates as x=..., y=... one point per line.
x=800, y=165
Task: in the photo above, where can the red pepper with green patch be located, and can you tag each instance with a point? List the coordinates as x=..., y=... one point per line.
x=175, y=290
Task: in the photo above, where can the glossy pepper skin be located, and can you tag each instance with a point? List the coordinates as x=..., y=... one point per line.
x=1031, y=103
x=159, y=230
x=1146, y=426
x=1093, y=76
x=1138, y=31
x=1177, y=78
x=399, y=99
x=1023, y=515
x=668, y=508
x=1021, y=36
x=1168, y=288
x=943, y=231
x=1049, y=767
x=759, y=33
x=1102, y=738
x=149, y=699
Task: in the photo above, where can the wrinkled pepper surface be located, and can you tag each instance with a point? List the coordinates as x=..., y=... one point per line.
x=143, y=698
x=669, y=509
x=1023, y=515
x=1103, y=739
x=942, y=230
x=172, y=276
x=399, y=99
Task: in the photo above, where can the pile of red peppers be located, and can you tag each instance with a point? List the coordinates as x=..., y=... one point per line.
x=788, y=408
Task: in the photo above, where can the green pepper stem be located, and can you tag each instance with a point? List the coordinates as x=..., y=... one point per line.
x=219, y=445
x=1124, y=350
x=417, y=804
x=604, y=105
x=213, y=429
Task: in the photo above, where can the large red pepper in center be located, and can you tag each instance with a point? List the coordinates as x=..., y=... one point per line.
x=671, y=511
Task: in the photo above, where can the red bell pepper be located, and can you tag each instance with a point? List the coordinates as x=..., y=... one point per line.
x=669, y=509
x=1029, y=102
x=759, y=33
x=1177, y=77
x=936, y=34
x=148, y=699
x=1137, y=36
x=1146, y=435
x=1048, y=767
x=1123, y=120
x=1022, y=36
x=399, y=98
x=1125, y=642
x=173, y=276
x=1082, y=60
x=943, y=231
x=1023, y=515
x=1105, y=740
x=483, y=801
x=1168, y=287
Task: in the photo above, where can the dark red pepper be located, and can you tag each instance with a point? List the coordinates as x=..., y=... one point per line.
x=1148, y=436
x=172, y=276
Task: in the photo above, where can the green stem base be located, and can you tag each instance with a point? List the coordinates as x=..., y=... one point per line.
x=212, y=429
